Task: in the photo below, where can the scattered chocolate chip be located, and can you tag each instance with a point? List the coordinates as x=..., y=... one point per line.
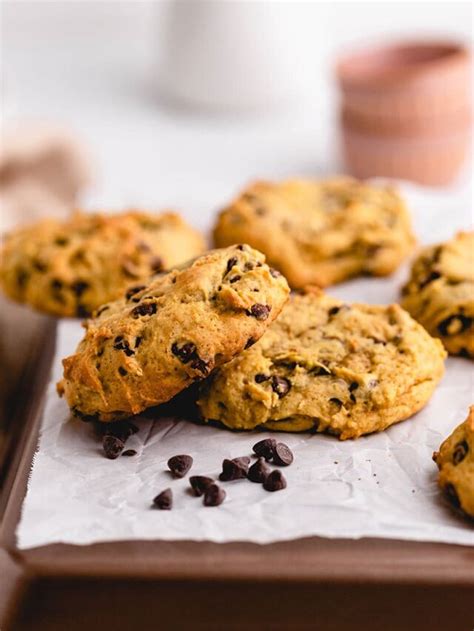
x=260, y=377
x=214, y=495
x=82, y=312
x=452, y=495
x=185, y=353
x=282, y=455
x=79, y=287
x=131, y=291
x=454, y=325
x=113, y=446
x=275, y=481
x=259, y=311
x=281, y=386
x=200, y=484
x=234, y=469
x=259, y=471
x=274, y=272
x=250, y=342
x=129, y=452
x=144, y=309
x=230, y=264
x=180, y=465
x=265, y=448
x=156, y=264
x=164, y=500
x=460, y=452
x=122, y=371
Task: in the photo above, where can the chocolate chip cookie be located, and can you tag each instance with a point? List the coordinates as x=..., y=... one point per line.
x=320, y=233
x=440, y=293
x=455, y=460
x=71, y=267
x=143, y=349
x=328, y=366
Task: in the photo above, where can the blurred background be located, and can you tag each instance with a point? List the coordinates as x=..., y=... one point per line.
x=180, y=103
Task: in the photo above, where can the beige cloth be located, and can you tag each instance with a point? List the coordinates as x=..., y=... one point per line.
x=42, y=171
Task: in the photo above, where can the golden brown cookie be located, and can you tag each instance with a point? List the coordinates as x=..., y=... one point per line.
x=330, y=367
x=455, y=460
x=320, y=233
x=143, y=349
x=440, y=293
x=69, y=268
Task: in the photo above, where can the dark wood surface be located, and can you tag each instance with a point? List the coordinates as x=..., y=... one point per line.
x=313, y=583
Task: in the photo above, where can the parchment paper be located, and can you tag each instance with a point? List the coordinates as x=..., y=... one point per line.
x=382, y=485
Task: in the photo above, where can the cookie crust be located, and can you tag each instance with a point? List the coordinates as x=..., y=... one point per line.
x=440, y=293
x=329, y=367
x=455, y=460
x=71, y=267
x=143, y=349
x=321, y=232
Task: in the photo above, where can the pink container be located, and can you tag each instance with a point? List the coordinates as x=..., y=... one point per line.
x=407, y=110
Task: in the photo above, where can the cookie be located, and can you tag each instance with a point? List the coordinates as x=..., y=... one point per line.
x=71, y=267
x=321, y=232
x=143, y=349
x=440, y=293
x=455, y=460
x=327, y=366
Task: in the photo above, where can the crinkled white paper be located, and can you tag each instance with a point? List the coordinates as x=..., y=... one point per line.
x=383, y=485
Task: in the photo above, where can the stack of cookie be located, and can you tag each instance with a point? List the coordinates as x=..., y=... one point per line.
x=225, y=319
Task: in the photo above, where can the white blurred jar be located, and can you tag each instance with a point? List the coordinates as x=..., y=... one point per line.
x=230, y=54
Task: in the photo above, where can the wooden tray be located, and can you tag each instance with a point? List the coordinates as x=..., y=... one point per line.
x=312, y=583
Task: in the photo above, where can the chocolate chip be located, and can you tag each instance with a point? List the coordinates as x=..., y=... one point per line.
x=79, y=287
x=144, y=309
x=234, y=469
x=460, y=452
x=282, y=455
x=264, y=448
x=121, y=429
x=452, y=495
x=200, y=365
x=353, y=386
x=429, y=279
x=122, y=345
x=129, y=452
x=274, y=272
x=337, y=402
x=259, y=311
x=230, y=264
x=234, y=279
x=164, y=500
x=101, y=310
x=82, y=312
x=281, y=386
x=185, y=353
x=113, y=446
x=260, y=377
x=56, y=284
x=131, y=291
x=333, y=310
x=240, y=247
x=180, y=465
x=320, y=371
x=250, y=342
x=156, y=264
x=122, y=371
x=214, y=495
x=200, y=484
x=61, y=241
x=259, y=471
x=138, y=341
x=275, y=481
x=454, y=325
